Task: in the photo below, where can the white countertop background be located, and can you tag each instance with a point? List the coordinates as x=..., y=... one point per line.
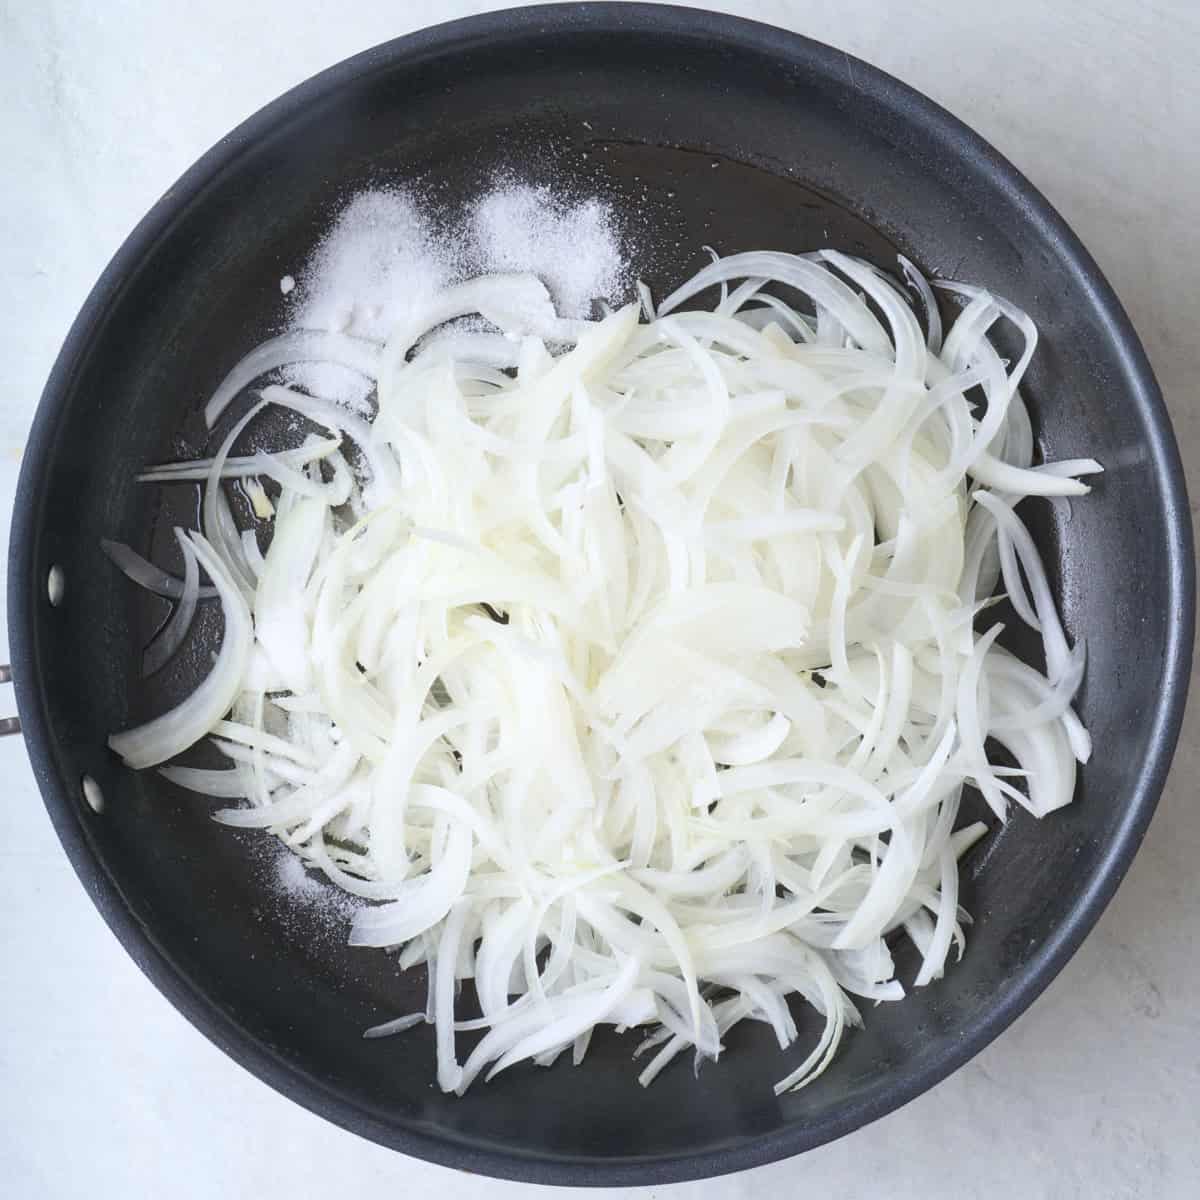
x=106, y=1091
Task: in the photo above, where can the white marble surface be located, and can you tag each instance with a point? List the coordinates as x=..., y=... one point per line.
x=106, y=1091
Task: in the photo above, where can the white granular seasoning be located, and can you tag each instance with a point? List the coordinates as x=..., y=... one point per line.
x=333, y=382
x=387, y=255
x=572, y=247
x=379, y=262
x=302, y=901
x=286, y=284
x=293, y=879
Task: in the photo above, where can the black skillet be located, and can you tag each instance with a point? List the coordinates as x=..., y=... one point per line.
x=702, y=129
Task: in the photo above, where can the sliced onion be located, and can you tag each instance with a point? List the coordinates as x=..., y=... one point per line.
x=304, y=346
x=162, y=649
x=146, y=574
x=631, y=669
x=181, y=727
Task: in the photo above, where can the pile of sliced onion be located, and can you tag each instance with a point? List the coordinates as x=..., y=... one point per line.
x=634, y=670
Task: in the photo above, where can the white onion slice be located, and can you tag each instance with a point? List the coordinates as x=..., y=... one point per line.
x=162, y=649
x=175, y=731
x=304, y=346
x=146, y=574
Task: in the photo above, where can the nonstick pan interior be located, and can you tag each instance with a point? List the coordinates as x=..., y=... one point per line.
x=701, y=130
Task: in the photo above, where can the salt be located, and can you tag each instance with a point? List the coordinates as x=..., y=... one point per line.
x=301, y=901
x=378, y=263
x=386, y=256
x=332, y=381
x=572, y=247
x=292, y=878
x=286, y=284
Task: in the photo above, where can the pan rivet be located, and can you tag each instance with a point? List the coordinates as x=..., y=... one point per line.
x=92, y=794
x=56, y=583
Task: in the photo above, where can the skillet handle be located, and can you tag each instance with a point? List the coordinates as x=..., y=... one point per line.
x=8, y=725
